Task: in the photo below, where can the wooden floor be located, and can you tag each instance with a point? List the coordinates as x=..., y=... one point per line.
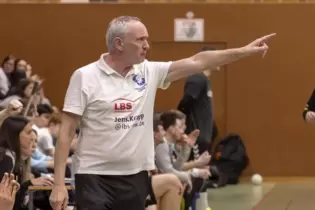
x=290, y=194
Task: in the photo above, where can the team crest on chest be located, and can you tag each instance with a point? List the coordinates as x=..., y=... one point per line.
x=139, y=81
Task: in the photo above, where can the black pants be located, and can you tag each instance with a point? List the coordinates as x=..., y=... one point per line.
x=150, y=199
x=107, y=192
x=198, y=183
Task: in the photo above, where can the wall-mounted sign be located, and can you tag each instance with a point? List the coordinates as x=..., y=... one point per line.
x=189, y=29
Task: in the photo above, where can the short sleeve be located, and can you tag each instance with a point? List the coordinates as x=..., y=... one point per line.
x=76, y=96
x=160, y=72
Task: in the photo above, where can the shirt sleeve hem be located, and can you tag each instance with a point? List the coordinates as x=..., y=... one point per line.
x=73, y=111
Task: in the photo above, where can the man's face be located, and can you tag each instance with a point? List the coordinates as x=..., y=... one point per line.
x=178, y=129
x=135, y=43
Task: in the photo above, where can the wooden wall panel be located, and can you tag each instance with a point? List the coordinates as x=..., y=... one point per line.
x=264, y=97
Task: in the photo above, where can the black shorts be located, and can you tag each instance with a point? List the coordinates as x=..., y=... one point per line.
x=150, y=199
x=109, y=192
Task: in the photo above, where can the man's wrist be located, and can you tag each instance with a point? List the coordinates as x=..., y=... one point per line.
x=59, y=184
x=242, y=52
x=59, y=181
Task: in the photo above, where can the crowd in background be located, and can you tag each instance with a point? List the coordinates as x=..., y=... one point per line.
x=29, y=129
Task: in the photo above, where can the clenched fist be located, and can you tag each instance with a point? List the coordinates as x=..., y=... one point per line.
x=14, y=108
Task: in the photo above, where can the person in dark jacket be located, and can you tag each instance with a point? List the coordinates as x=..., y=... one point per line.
x=196, y=104
x=309, y=109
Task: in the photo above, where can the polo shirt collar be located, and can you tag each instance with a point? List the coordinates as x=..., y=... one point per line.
x=101, y=64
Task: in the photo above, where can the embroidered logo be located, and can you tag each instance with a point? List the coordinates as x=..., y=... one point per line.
x=140, y=81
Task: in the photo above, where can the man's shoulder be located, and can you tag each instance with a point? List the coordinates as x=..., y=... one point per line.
x=90, y=68
x=86, y=74
x=162, y=145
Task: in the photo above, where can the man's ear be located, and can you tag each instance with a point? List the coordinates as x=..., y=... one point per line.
x=119, y=44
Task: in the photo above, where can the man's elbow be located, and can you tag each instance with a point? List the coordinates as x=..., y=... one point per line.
x=183, y=68
x=68, y=126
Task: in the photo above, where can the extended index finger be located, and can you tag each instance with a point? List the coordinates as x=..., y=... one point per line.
x=267, y=37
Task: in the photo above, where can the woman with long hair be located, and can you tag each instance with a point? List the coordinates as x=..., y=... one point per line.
x=16, y=147
x=22, y=91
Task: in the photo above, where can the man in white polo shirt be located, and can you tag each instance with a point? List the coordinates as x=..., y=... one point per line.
x=113, y=100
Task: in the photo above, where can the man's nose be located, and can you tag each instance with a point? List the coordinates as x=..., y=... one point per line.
x=146, y=45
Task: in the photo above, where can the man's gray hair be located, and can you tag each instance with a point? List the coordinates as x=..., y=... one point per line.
x=117, y=28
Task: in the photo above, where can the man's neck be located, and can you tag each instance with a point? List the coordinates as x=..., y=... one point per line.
x=114, y=61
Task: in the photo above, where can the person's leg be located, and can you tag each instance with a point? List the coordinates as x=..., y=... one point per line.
x=203, y=195
x=94, y=192
x=166, y=191
x=152, y=207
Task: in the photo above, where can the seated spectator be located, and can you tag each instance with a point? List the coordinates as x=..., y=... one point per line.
x=7, y=67
x=19, y=73
x=39, y=161
x=42, y=163
x=20, y=65
x=167, y=189
x=172, y=155
x=23, y=91
x=158, y=130
x=41, y=123
x=16, y=147
x=40, y=97
x=174, y=128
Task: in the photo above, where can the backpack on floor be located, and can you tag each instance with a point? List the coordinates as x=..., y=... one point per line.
x=230, y=158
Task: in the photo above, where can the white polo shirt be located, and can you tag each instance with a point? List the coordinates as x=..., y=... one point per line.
x=116, y=136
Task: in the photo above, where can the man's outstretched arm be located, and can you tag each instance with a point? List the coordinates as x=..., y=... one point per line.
x=211, y=59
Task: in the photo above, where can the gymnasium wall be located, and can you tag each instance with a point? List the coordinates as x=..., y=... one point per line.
x=261, y=99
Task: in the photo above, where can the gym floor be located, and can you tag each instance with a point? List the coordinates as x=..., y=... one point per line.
x=297, y=194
